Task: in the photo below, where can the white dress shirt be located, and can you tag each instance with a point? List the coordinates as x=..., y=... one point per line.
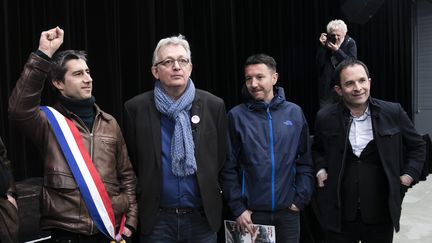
x=360, y=133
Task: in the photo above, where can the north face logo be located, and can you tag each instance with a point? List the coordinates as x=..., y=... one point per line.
x=288, y=123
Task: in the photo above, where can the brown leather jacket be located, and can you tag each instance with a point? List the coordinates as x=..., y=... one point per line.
x=8, y=212
x=62, y=204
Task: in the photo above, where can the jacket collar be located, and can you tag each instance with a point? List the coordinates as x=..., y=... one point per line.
x=374, y=108
x=98, y=112
x=346, y=41
x=279, y=98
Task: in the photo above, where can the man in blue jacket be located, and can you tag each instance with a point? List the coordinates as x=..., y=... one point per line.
x=267, y=178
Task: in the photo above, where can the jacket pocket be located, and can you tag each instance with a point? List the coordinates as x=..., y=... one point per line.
x=112, y=189
x=120, y=204
x=389, y=132
x=119, y=200
x=109, y=144
x=61, y=198
x=60, y=181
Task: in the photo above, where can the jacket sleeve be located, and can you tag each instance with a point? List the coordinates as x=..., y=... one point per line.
x=25, y=99
x=230, y=175
x=318, y=148
x=304, y=168
x=321, y=58
x=128, y=182
x=414, y=145
x=345, y=52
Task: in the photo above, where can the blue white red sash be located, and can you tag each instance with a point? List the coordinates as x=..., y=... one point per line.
x=86, y=176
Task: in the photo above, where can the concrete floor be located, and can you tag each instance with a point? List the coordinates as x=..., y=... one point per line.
x=416, y=220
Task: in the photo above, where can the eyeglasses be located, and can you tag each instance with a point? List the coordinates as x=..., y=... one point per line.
x=169, y=62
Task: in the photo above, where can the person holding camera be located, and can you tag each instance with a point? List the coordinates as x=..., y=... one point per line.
x=335, y=46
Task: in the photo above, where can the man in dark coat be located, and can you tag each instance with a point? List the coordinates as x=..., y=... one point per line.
x=366, y=153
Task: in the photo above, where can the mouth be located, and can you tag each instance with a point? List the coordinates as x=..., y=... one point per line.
x=358, y=96
x=176, y=76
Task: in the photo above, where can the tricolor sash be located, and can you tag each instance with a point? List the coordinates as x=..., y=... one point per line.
x=86, y=176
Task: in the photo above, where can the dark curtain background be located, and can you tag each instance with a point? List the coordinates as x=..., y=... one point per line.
x=120, y=37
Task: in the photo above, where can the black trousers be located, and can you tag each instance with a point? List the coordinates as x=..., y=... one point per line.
x=357, y=230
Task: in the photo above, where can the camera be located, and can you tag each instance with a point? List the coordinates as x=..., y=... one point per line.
x=331, y=38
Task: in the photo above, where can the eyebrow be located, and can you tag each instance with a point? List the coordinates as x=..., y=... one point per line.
x=174, y=58
x=80, y=70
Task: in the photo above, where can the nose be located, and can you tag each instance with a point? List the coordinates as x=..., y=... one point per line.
x=88, y=78
x=357, y=86
x=176, y=65
x=254, y=82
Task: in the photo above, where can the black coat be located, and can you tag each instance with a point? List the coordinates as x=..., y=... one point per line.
x=400, y=147
x=142, y=130
x=327, y=60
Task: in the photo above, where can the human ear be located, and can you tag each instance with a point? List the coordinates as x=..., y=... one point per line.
x=155, y=72
x=58, y=84
x=338, y=89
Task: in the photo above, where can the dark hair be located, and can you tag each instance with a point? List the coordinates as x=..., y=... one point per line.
x=59, y=60
x=58, y=66
x=343, y=65
x=261, y=59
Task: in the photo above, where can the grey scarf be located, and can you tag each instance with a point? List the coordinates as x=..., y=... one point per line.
x=182, y=145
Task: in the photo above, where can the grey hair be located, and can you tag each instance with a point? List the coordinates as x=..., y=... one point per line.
x=337, y=24
x=173, y=40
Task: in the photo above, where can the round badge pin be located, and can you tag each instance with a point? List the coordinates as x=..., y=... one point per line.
x=195, y=119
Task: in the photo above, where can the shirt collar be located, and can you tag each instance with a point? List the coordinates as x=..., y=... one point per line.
x=363, y=117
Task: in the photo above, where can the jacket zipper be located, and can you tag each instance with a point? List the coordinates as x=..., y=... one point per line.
x=91, y=146
x=270, y=123
x=243, y=183
x=91, y=152
x=92, y=136
x=91, y=157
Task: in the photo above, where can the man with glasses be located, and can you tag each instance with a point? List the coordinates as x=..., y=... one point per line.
x=176, y=135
